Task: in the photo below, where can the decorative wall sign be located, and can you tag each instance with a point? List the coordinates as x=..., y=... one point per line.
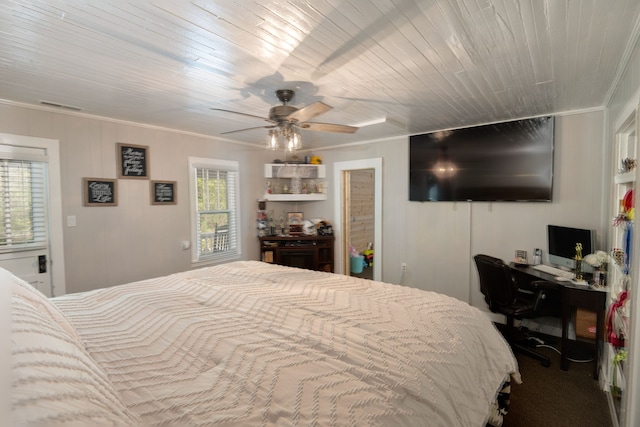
x=100, y=192
x=164, y=192
x=133, y=161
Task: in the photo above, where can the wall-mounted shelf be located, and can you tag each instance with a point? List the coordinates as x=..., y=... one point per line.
x=293, y=182
x=294, y=197
x=625, y=178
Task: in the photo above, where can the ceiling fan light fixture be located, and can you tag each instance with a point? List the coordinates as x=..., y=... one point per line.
x=287, y=119
x=294, y=140
x=272, y=140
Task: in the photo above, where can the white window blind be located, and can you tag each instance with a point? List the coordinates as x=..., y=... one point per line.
x=215, y=202
x=23, y=189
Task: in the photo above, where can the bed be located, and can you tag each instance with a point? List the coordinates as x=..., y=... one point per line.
x=254, y=344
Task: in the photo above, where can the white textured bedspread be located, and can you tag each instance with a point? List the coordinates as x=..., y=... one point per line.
x=254, y=344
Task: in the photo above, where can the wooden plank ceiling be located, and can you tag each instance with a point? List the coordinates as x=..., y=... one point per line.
x=411, y=66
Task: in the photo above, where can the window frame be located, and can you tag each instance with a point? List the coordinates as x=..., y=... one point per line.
x=37, y=160
x=222, y=165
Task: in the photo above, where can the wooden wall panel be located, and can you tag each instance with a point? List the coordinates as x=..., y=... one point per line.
x=362, y=209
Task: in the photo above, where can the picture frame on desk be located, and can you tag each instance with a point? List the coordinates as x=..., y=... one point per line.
x=295, y=217
x=520, y=258
x=295, y=229
x=295, y=223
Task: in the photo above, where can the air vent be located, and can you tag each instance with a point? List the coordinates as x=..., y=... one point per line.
x=55, y=104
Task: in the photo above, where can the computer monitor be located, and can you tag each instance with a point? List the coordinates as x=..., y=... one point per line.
x=561, y=243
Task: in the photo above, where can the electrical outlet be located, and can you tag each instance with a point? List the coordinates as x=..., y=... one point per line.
x=403, y=266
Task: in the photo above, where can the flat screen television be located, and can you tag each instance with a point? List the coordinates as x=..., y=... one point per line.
x=561, y=245
x=509, y=161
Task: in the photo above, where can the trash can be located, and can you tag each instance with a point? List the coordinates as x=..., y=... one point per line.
x=356, y=264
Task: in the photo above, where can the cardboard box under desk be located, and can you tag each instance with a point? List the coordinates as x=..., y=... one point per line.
x=585, y=323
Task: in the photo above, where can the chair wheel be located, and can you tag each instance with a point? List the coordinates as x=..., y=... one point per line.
x=546, y=363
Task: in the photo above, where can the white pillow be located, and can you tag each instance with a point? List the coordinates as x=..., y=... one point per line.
x=54, y=379
x=36, y=298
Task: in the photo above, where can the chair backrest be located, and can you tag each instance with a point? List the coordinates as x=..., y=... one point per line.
x=497, y=283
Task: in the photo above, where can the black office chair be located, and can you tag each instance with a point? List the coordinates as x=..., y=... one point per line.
x=501, y=291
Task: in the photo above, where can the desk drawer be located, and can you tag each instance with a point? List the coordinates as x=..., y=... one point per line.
x=586, y=298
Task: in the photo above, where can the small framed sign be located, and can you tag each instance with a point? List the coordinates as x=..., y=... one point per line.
x=295, y=217
x=164, y=192
x=521, y=257
x=133, y=161
x=100, y=192
x=295, y=222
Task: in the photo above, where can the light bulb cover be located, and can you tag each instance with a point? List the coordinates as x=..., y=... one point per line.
x=272, y=140
x=286, y=134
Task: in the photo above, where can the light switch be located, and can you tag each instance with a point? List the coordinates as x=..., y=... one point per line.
x=71, y=221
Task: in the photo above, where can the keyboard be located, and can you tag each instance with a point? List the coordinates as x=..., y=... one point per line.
x=554, y=271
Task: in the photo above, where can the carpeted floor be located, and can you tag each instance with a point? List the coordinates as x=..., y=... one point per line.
x=553, y=397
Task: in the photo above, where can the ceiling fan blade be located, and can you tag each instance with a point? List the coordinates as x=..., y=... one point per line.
x=328, y=127
x=242, y=130
x=310, y=111
x=242, y=114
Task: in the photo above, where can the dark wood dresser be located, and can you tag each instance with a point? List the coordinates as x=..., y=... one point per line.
x=310, y=252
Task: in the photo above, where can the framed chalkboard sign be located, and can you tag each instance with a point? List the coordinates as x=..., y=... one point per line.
x=164, y=192
x=133, y=161
x=100, y=192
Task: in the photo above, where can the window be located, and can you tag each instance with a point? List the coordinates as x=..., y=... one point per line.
x=214, y=210
x=23, y=189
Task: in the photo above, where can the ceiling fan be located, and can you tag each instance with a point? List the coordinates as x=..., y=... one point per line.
x=286, y=120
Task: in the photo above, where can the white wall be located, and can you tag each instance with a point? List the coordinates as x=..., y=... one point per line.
x=578, y=195
x=134, y=240
x=438, y=240
x=625, y=96
x=113, y=245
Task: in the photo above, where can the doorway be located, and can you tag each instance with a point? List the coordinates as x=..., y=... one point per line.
x=348, y=213
x=359, y=217
x=33, y=164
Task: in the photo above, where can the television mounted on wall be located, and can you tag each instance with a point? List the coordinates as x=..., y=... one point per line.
x=508, y=161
